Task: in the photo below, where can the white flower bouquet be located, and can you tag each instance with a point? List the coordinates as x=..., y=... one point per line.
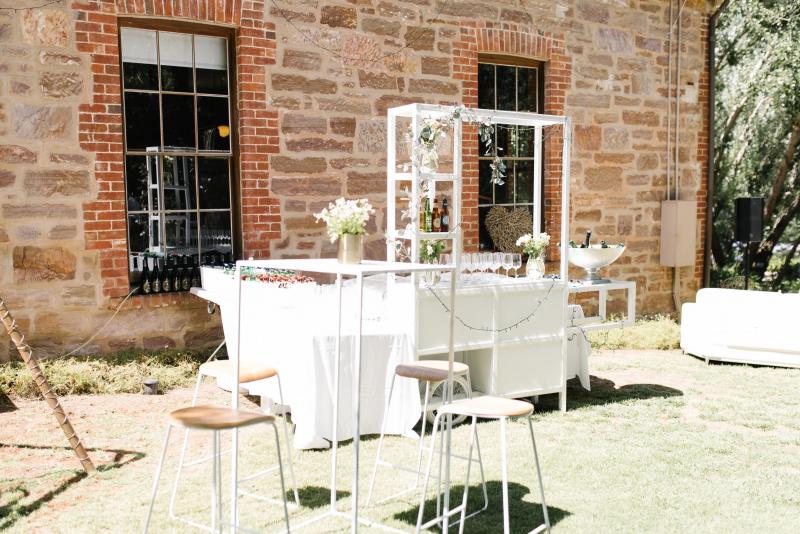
x=534, y=245
x=346, y=217
x=430, y=249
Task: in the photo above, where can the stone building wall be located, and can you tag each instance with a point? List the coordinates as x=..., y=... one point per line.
x=315, y=79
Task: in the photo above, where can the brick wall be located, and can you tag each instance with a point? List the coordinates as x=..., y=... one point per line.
x=311, y=125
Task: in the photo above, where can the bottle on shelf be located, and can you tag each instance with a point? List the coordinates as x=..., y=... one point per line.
x=195, y=280
x=166, y=276
x=436, y=217
x=176, y=274
x=186, y=275
x=144, y=280
x=445, y=224
x=428, y=227
x=155, y=277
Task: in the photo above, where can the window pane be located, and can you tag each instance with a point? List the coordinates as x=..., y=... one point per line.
x=523, y=181
x=176, y=61
x=525, y=141
x=138, y=234
x=180, y=232
x=526, y=89
x=141, y=121
x=139, y=59
x=506, y=87
x=484, y=185
x=486, y=242
x=179, y=183
x=215, y=233
x=213, y=123
x=505, y=140
x=213, y=177
x=486, y=86
x=137, y=182
x=178, y=113
x=501, y=192
x=211, y=64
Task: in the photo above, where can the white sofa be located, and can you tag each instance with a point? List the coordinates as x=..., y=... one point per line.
x=731, y=325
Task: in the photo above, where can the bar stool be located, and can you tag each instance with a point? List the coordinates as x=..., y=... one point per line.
x=249, y=372
x=484, y=408
x=428, y=371
x=214, y=419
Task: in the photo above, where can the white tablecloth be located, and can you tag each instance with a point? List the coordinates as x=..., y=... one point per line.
x=294, y=330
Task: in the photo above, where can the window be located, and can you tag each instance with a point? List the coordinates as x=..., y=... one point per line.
x=511, y=84
x=178, y=144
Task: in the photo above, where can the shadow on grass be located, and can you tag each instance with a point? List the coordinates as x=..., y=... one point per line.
x=604, y=391
x=6, y=404
x=314, y=497
x=15, y=509
x=524, y=516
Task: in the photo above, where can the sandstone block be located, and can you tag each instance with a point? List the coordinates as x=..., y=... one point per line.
x=381, y=26
x=646, y=162
x=614, y=40
x=158, y=343
x=588, y=215
x=366, y=183
x=371, y=136
x=349, y=163
x=419, y=38
x=647, y=118
x=294, y=82
x=3, y=236
x=437, y=66
x=39, y=211
x=432, y=86
x=63, y=231
x=296, y=123
x=27, y=233
x=43, y=263
x=7, y=178
x=72, y=159
x=285, y=102
x=469, y=10
x=356, y=107
x=593, y=11
x=343, y=126
x=647, y=43
x=389, y=101
x=60, y=84
x=624, y=224
x=302, y=60
x=304, y=187
x=20, y=88
x=603, y=178
x=78, y=296
x=45, y=27
x=619, y=158
x=298, y=165
x=57, y=182
x=318, y=144
x=41, y=122
x=588, y=137
x=339, y=16
x=377, y=80
x=16, y=154
x=615, y=138
x=53, y=58
x=589, y=100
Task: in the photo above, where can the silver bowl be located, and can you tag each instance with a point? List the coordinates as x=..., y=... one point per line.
x=593, y=259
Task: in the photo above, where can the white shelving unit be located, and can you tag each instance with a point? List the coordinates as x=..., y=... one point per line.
x=538, y=350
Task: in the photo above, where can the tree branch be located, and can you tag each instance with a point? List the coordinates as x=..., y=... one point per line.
x=783, y=169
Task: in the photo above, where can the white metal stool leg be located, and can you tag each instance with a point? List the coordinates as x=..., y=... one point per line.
x=504, y=469
x=288, y=446
x=380, y=441
x=539, y=477
x=472, y=432
x=216, y=494
x=155, y=482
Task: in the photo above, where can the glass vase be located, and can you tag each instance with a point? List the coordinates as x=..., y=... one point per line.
x=534, y=269
x=351, y=249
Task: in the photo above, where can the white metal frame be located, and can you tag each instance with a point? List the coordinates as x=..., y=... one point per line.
x=599, y=322
x=332, y=266
x=416, y=113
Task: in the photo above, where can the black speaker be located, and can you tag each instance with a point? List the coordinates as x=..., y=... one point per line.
x=749, y=219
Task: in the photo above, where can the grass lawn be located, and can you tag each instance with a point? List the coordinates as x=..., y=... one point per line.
x=662, y=443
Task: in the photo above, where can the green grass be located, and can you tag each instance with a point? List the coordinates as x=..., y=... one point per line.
x=653, y=333
x=662, y=443
x=118, y=373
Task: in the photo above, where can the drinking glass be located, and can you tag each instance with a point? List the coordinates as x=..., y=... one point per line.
x=516, y=259
x=497, y=262
x=508, y=261
x=445, y=259
x=486, y=262
x=466, y=263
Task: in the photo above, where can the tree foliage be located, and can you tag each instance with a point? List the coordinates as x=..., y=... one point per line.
x=757, y=135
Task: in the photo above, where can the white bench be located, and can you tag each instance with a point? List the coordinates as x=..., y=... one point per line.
x=754, y=327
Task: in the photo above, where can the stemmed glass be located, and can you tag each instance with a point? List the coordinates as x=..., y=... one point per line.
x=508, y=261
x=486, y=262
x=497, y=262
x=466, y=263
x=516, y=259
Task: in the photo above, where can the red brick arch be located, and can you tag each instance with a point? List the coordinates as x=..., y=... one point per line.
x=100, y=121
x=547, y=47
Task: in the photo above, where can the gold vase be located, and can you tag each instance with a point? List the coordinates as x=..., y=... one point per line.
x=351, y=249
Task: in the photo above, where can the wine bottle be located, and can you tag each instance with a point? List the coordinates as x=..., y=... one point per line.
x=587, y=239
x=155, y=277
x=445, y=224
x=436, y=217
x=428, y=216
x=195, y=274
x=146, y=287
x=166, y=280
x=186, y=275
x=176, y=274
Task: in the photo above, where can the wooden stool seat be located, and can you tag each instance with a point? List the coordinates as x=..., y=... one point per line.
x=488, y=407
x=248, y=371
x=430, y=370
x=216, y=418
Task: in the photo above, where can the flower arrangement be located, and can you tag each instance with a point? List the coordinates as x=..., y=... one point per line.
x=429, y=250
x=346, y=217
x=534, y=245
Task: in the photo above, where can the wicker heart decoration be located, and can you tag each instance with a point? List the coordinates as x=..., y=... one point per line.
x=506, y=225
